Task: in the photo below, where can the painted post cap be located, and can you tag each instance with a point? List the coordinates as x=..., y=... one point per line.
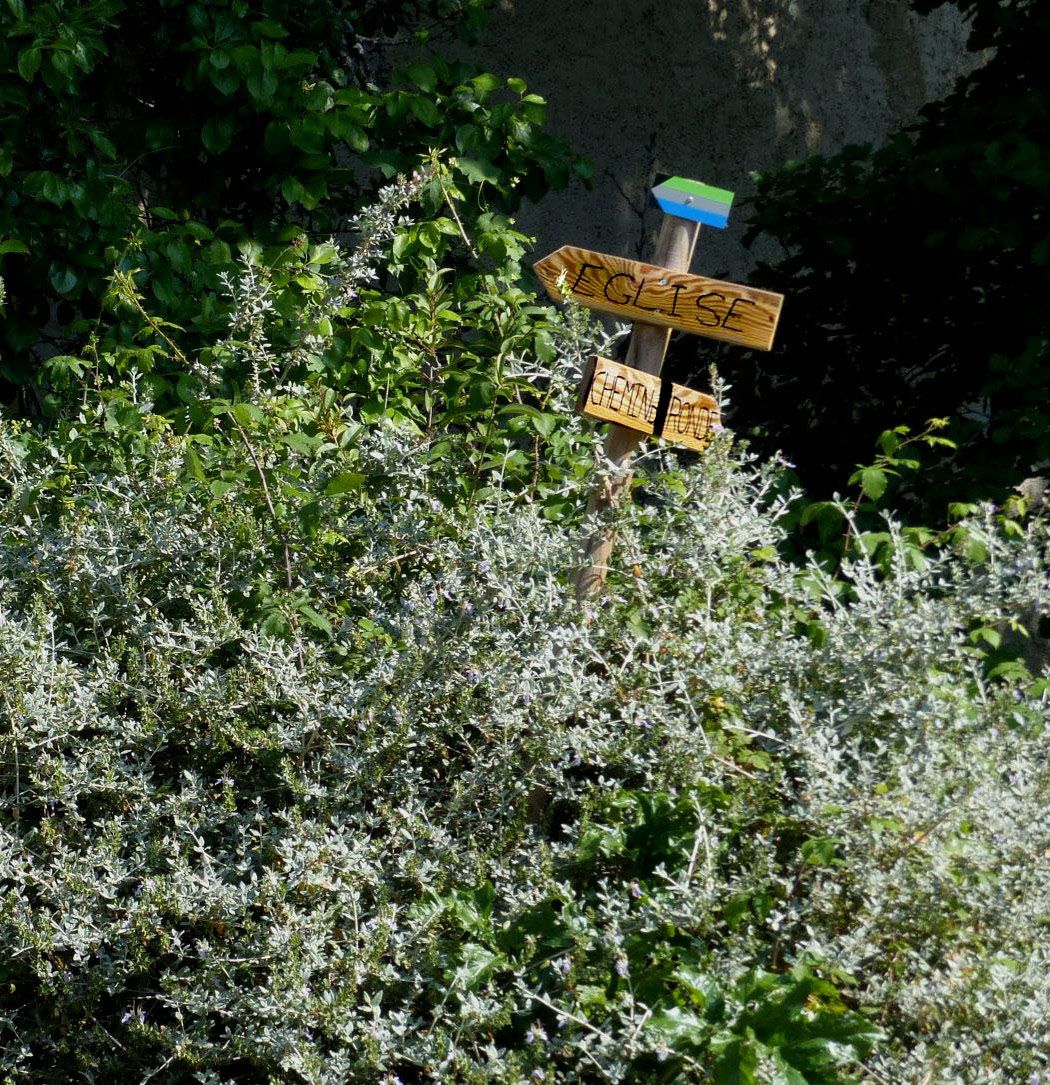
x=692, y=200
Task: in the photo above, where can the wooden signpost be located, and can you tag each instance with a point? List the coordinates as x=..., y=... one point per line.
x=657, y=297
x=613, y=392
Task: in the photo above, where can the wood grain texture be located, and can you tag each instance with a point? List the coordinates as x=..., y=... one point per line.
x=614, y=392
x=692, y=418
x=651, y=294
x=674, y=250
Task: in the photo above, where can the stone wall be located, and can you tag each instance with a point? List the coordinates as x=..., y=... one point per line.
x=711, y=89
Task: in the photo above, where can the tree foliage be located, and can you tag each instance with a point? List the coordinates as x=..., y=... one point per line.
x=155, y=140
x=916, y=277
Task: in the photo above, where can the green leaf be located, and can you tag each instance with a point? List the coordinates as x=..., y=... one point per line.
x=65, y=365
x=226, y=80
x=889, y=441
x=269, y=28
x=426, y=111
x=423, y=75
x=15, y=246
x=546, y=424
x=178, y=252
x=871, y=541
x=822, y=512
x=678, y=1028
x=324, y=253
x=737, y=1064
x=1012, y=669
x=478, y=170
x=318, y=621
x=781, y=1072
x=300, y=442
x=218, y=252
x=478, y=964
x=251, y=250
x=344, y=483
x=247, y=413
x=485, y=83
x=46, y=186
x=873, y=481
x=217, y=134
x=989, y=635
x=63, y=279
x=819, y=851
x=534, y=109
x=29, y=63
x=764, y=553
x=293, y=190
x=703, y=990
x=262, y=85
x=974, y=548
x=103, y=143
x=958, y=510
x=61, y=62
x=193, y=464
x=18, y=8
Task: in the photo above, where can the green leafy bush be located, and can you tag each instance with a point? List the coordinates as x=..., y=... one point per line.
x=161, y=140
x=916, y=276
x=313, y=773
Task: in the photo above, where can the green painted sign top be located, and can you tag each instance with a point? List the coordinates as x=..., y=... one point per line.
x=693, y=200
x=698, y=188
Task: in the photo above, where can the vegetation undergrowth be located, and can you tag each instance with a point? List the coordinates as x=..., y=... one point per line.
x=315, y=773
x=312, y=769
x=148, y=147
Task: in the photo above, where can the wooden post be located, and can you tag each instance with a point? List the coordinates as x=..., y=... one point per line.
x=648, y=346
x=691, y=303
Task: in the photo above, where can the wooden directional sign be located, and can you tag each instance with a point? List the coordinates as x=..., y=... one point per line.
x=655, y=295
x=692, y=418
x=613, y=392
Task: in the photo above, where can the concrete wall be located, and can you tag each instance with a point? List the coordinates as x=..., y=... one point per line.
x=711, y=89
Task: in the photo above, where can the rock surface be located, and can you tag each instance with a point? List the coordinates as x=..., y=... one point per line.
x=710, y=89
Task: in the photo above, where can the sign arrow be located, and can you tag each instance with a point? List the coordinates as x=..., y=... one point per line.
x=650, y=294
x=614, y=392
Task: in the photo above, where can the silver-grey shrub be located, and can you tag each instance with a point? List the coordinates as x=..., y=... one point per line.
x=404, y=851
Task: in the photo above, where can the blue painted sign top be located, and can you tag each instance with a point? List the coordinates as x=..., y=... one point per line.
x=694, y=201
